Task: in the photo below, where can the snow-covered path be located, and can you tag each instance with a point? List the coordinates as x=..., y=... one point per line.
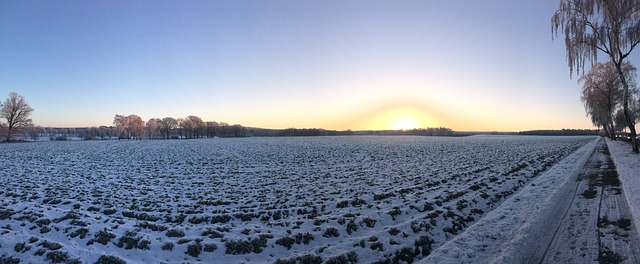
x=577, y=212
x=597, y=226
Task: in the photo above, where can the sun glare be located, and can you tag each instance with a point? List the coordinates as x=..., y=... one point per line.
x=404, y=123
x=403, y=117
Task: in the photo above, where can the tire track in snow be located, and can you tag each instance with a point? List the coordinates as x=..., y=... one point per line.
x=597, y=227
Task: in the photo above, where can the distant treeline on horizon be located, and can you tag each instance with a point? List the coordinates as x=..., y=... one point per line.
x=562, y=132
x=225, y=130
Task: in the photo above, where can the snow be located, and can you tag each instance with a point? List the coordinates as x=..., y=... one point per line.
x=628, y=167
x=383, y=195
x=524, y=225
x=517, y=230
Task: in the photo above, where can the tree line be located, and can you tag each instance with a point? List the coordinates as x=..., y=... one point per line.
x=133, y=127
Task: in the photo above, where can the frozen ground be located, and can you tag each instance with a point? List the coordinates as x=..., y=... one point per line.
x=286, y=200
x=575, y=213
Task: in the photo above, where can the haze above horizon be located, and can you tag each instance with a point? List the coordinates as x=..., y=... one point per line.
x=359, y=65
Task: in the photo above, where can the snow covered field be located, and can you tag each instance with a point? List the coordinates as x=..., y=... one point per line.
x=522, y=228
x=374, y=199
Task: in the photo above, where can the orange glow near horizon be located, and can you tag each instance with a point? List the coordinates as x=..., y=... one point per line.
x=396, y=117
x=404, y=123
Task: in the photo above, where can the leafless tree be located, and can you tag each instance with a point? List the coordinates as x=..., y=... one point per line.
x=136, y=126
x=611, y=27
x=212, y=129
x=194, y=126
x=129, y=127
x=152, y=128
x=181, y=126
x=17, y=111
x=168, y=124
x=602, y=93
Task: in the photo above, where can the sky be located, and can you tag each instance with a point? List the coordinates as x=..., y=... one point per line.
x=360, y=65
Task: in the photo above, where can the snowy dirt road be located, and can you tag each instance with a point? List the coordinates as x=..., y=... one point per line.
x=597, y=227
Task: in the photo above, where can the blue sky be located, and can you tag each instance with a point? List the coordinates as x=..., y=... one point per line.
x=467, y=65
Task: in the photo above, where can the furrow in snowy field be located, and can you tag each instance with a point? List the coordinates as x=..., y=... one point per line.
x=259, y=200
x=518, y=229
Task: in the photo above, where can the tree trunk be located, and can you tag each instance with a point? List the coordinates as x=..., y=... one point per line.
x=625, y=107
x=612, y=132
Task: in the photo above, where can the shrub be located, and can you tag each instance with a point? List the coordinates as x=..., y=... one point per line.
x=342, y=204
x=109, y=259
x=303, y=238
x=130, y=241
x=286, y=242
x=9, y=260
x=45, y=229
x=220, y=219
x=82, y=232
x=21, y=247
x=306, y=259
x=424, y=243
x=331, y=232
x=43, y=222
x=212, y=233
x=239, y=247
x=394, y=212
x=285, y=261
x=152, y=226
x=69, y=215
x=109, y=211
x=210, y=247
x=382, y=196
x=351, y=227
x=50, y=245
x=183, y=241
x=103, y=237
x=369, y=222
x=6, y=213
x=404, y=254
x=167, y=246
x=60, y=257
x=193, y=249
x=349, y=257
x=377, y=246
x=393, y=231
x=175, y=233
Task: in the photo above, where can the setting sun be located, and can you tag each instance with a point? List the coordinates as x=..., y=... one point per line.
x=404, y=123
x=398, y=116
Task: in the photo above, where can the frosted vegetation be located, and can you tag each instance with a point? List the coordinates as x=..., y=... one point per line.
x=374, y=199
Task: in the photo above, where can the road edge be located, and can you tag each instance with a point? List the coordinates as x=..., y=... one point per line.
x=523, y=219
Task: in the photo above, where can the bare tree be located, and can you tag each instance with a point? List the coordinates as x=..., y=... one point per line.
x=153, y=127
x=602, y=93
x=136, y=126
x=121, y=123
x=194, y=126
x=611, y=27
x=181, y=126
x=129, y=127
x=212, y=128
x=17, y=111
x=168, y=124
